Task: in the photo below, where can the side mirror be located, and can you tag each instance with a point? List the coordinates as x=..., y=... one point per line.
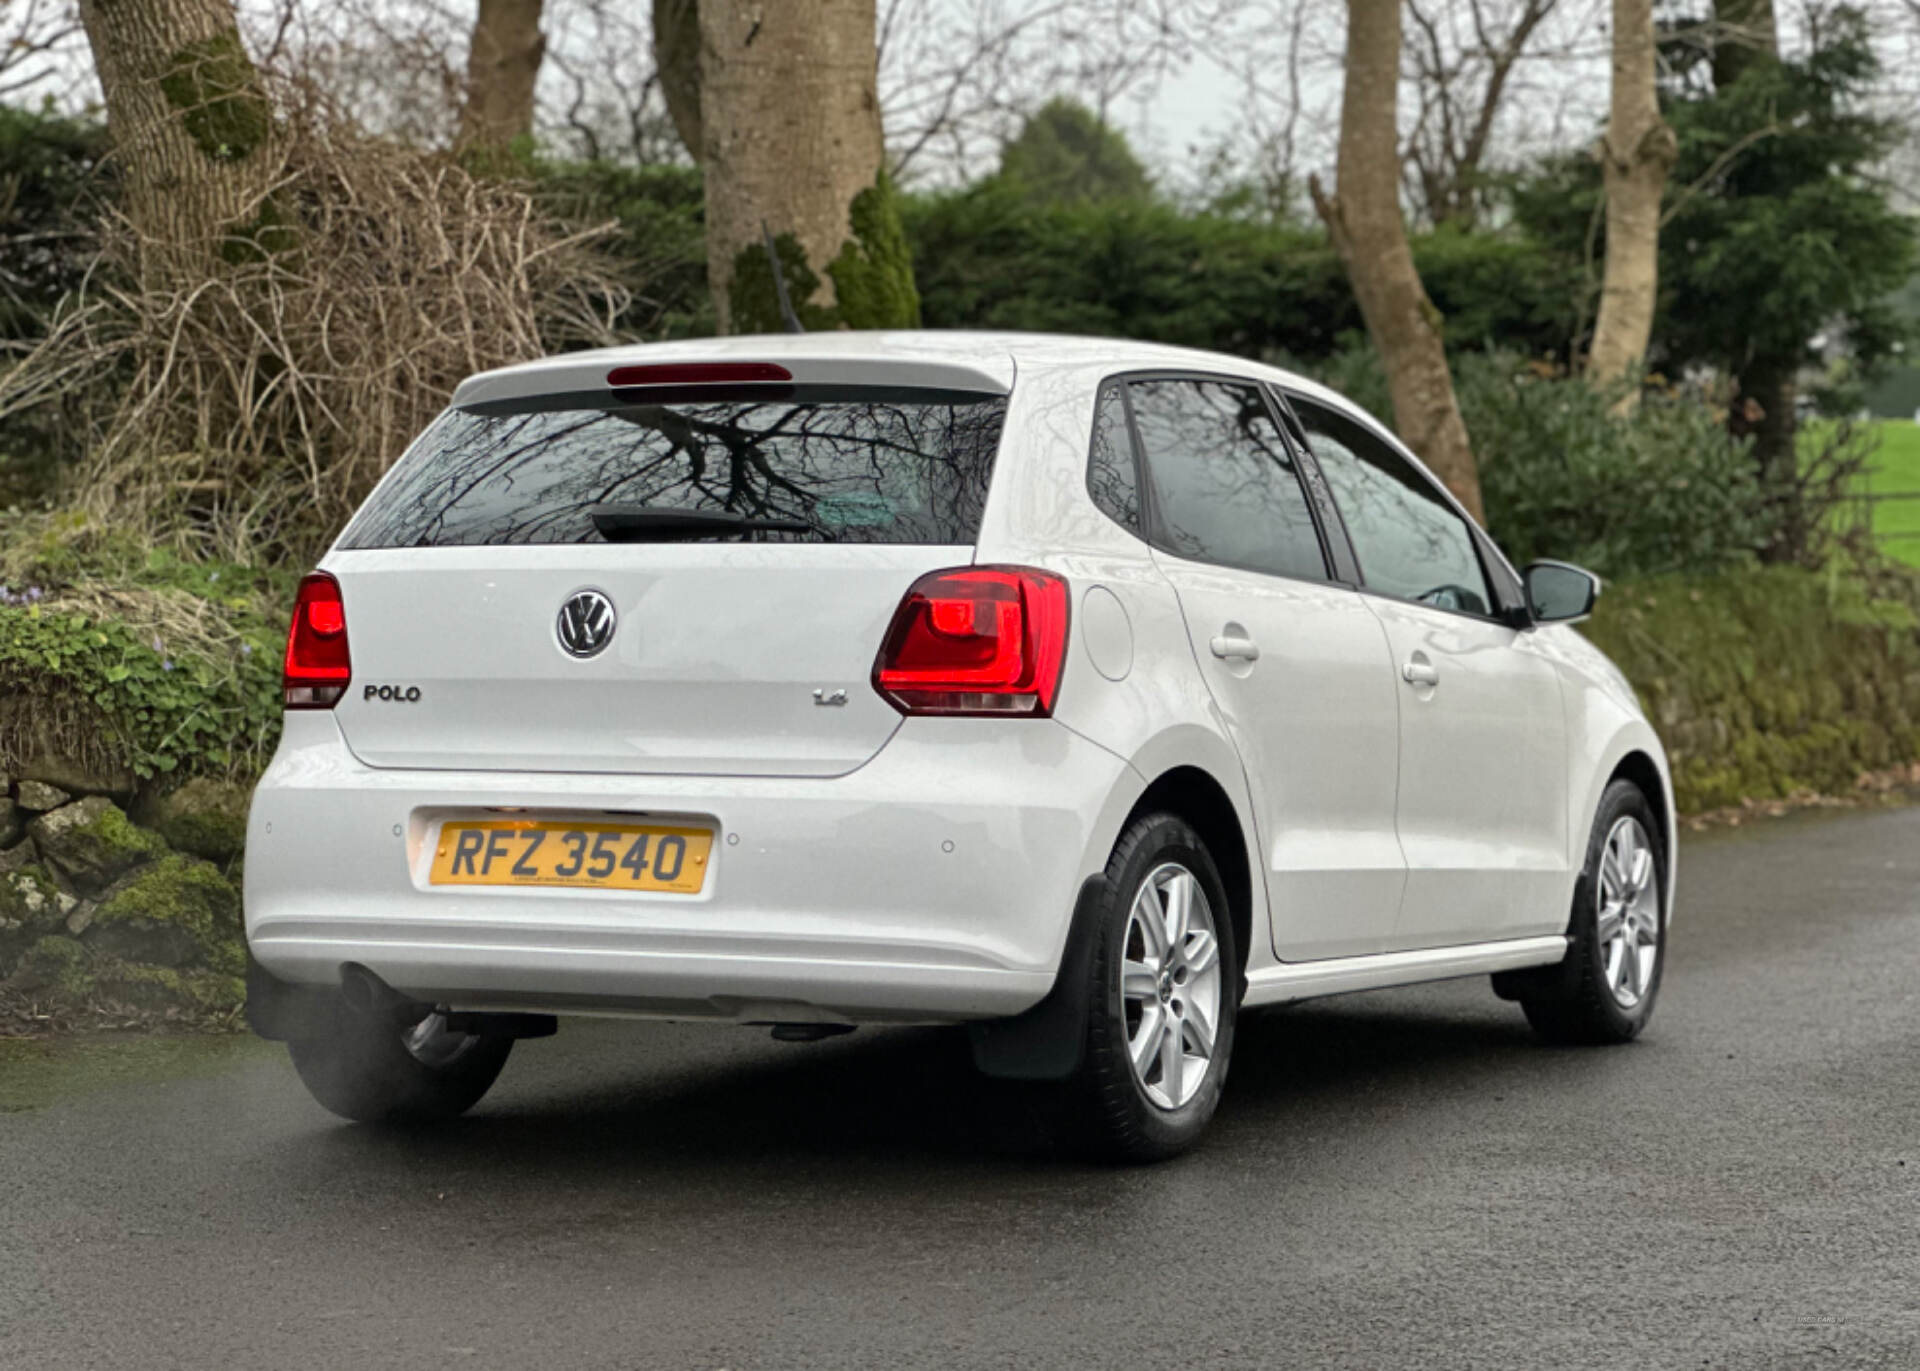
x=1559, y=592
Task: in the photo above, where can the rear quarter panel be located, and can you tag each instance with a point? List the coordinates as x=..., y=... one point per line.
x=1130, y=683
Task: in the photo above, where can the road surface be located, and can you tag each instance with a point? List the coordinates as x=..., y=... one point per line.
x=1403, y=1179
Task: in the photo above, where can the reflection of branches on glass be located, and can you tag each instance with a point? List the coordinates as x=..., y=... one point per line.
x=879, y=470
x=1409, y=543
x=1225, y=481
x=1111, y=478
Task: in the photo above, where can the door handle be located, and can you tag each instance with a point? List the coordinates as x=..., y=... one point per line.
x=1227, y=645
x=1420, y=674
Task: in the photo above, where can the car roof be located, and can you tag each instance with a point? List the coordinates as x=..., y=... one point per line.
x=961, y=358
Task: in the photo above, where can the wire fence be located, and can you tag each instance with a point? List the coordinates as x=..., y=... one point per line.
x=1869, y=503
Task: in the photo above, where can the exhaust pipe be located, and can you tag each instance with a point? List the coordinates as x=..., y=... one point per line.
x=808, y=1032
x=365, y=993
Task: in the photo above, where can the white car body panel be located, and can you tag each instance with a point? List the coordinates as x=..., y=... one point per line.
x=902, y=870
x=1316, y=723
x=928, y=885
x=724, y=643
x=1482, y=812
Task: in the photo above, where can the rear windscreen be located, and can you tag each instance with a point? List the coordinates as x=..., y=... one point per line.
x=852, y=467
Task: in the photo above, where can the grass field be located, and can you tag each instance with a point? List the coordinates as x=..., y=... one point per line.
x=1895, y=468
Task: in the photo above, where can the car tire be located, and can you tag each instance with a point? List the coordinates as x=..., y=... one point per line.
x=1605, y=989
x=372, y=1070
x=1144, y=995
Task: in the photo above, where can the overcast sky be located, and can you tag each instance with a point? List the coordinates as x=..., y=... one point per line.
x=1216, y=90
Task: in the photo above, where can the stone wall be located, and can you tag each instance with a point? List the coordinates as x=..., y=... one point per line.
x=105, y=917
x=1769, y=682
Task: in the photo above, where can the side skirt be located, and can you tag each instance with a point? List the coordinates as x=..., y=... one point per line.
x=1305, y=980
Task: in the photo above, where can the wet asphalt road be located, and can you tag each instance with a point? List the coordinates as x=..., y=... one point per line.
x=1401, y=1179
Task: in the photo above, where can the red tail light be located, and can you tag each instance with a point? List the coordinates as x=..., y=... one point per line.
x=976, y=640
x=318, y=667
x=697, y=374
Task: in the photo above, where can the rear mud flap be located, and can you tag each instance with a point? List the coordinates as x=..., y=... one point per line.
x=1047, y=1042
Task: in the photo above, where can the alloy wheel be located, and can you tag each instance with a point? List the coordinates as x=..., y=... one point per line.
x=1170, y=985
x=1629, y=912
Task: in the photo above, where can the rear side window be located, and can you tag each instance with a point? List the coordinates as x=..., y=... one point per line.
x=846, y=467
x=1410, y=542
x=1112, y=477
x=1224, y=484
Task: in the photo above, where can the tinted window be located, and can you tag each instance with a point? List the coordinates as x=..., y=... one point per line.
x=1111, y=476
x=1224, y=485
x=859, y=470
x=1410, y=542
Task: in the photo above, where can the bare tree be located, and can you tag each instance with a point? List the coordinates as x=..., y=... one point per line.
x=1636, y=152
x=959, y=77
x=190, y=122
x=1365, y=222
x=1254, y=164
x=503, y=63
x=34, y=35
x=790, y=124
x=1460, y=87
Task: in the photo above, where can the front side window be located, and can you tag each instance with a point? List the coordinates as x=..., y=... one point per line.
x=837, y=467
x=1410, y=543
x=1224, y=485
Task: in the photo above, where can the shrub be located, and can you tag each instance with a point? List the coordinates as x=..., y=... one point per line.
x=124, y=659
x=1664, y=489
x=658, y=249
x=49, y=167
x=48, y=163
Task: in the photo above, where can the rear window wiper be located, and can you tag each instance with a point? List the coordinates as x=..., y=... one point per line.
x=656, y=524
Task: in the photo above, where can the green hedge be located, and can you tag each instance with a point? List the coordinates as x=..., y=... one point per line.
x=987, y=257
x=990, y=256
x=1771, y=681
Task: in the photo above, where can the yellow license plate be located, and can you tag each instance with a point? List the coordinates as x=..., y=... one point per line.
x=587, y=855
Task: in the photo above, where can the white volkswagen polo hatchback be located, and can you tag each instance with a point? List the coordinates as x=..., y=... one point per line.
x=1084, y=692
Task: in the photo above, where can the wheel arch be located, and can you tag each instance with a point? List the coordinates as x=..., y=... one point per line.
x=1193, y=794
x=1045, y=1042
x=1644, y=772
x=1637, y=756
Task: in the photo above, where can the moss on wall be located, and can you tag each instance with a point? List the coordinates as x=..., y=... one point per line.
x=1768, y=682
x=178, y=912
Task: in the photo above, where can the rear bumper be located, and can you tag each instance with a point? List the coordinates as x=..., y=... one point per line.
x=935, y=883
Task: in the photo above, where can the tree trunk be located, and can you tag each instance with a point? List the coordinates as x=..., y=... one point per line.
x=1636, y=152
x=1744, y=32
x=503, y=64
x=676, y=56
x=1363, y=217
x=190, y=123
x=790, y=126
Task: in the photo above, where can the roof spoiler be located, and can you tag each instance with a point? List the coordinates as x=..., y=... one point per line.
x=598, y=375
